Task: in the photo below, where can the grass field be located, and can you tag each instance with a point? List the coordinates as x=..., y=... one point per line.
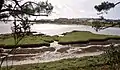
x=43, y=39
x=83, y=36
x=84, y=63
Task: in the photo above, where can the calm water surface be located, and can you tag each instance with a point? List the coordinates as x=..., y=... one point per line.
x=56, y=29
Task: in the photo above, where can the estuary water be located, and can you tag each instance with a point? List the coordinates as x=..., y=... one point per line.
x=57, y=29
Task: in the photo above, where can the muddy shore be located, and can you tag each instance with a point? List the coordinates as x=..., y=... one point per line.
x=35, y=53
x=51, y=53
x=82, y=43
x=62, y=48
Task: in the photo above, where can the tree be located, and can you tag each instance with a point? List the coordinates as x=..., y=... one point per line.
x=112, y=54
x=21, y=11
x=104, y=7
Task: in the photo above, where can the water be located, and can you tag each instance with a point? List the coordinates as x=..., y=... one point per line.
x=57, y=29
x=5, y=28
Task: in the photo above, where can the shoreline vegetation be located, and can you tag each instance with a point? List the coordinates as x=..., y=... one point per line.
x=78, y=21
x=7, y=41
x=85, y=37
x=74, y=37
x=98, y=62
x=69, y=38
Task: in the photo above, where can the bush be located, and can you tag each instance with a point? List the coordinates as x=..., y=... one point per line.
x=112, y=56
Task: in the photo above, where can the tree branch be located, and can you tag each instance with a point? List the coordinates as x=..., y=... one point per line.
x=117, y=3
x=4, y=10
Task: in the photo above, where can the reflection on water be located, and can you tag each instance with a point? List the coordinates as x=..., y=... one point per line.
x=56, y=29
x=5, y=28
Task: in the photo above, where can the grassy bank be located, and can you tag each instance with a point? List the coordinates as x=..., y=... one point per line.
x=40, y=39
x=107, y=61
x=81, y=36
x=44, y=40
x=85, y=63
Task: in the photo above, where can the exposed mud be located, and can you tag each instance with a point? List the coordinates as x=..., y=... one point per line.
x=24, y=46
x=46, y=54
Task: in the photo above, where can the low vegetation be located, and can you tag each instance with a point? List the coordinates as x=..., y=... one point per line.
x=77, y=36
x=107, y=61
x=85, y=63
x=40, y=39
x=66, y=64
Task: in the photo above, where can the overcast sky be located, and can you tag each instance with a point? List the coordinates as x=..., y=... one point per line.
x=80, y=9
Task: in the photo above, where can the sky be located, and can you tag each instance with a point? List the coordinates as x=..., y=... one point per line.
x=79, y=9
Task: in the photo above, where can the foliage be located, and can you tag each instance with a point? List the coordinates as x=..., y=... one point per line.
x=84, y=63
x=97, y=25
x=107, y=61
x=113, y=56
x=40, y=39
x=104, y=7
x=21, y=11
x=100, y=25
x=82, y=36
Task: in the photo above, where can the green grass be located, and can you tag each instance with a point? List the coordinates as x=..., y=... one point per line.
x=27, y=40
x=85, y=63
x=83, y=36
x=43, y=39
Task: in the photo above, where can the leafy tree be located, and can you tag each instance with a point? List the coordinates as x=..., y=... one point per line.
x=104, y=7
x=112, y=54
x=21, y=11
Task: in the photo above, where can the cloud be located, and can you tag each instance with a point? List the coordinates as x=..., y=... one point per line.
x=80, y=8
